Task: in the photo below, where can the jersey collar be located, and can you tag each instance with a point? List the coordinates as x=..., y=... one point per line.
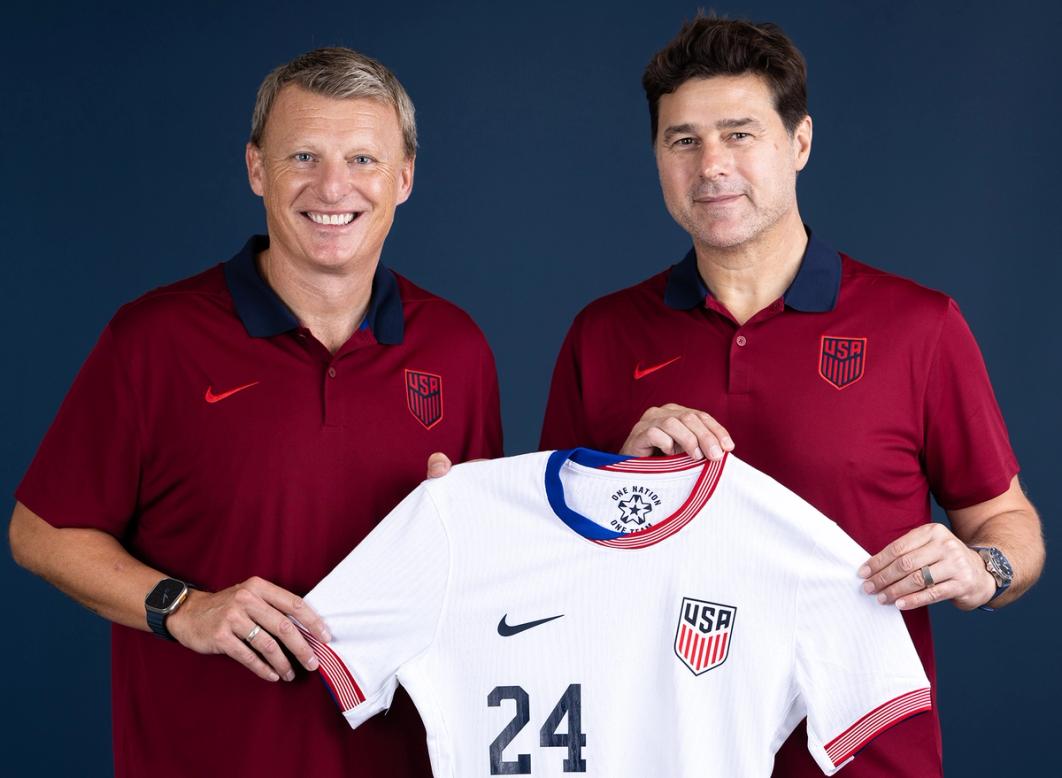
x=814, y=290
x=264, y=314
x=592, y=531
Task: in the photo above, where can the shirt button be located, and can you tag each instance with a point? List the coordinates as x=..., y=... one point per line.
x=741, y=340
x=331, y=372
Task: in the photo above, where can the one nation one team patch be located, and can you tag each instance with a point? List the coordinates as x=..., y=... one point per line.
x=424, y=397
x=842, y=360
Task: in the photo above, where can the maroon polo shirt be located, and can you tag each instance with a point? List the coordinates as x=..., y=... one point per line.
x=861, y=391
x=217, y=439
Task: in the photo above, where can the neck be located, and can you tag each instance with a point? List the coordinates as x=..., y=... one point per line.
x=749, y=277
x=331, y=305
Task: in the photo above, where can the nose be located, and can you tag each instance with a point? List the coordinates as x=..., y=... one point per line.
x=333, y=181
x=715, y=159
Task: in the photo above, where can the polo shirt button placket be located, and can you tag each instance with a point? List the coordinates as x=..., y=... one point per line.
x=331, y=401
x=739, y=372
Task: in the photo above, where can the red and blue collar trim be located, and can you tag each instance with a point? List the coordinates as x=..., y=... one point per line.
x=702, y=491
x=814, y=289
x=264, y=314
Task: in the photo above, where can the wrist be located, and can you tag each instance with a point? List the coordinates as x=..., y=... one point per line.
x=998, y=568
x=162, y=602
x=988, y=588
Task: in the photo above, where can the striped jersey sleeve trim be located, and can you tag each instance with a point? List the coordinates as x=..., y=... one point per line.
x=344, y=688
x=844, y=746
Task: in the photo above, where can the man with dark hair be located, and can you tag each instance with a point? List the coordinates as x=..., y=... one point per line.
x=860, y=391
x=232, y=436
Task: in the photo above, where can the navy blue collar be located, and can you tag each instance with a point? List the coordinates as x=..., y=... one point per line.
x=555, y=490
x=814, y=290
x=264, y=314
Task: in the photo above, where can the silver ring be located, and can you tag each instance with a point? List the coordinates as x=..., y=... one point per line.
x=927, y=577
x=252, y=634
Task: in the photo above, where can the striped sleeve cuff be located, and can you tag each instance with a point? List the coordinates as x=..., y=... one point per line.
x=843, y=747
x=345, y=690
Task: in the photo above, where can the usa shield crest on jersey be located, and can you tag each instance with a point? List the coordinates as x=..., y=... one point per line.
x=841, y=360
x=424, y=397
x=702, y=638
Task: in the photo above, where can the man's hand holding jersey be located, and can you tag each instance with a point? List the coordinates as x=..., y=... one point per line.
x=252, y=623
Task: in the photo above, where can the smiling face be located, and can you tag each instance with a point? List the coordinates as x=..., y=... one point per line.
x=727, y=164
x=330, y=173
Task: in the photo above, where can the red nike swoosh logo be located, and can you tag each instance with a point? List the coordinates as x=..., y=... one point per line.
x=640, y=373
x=210, y=397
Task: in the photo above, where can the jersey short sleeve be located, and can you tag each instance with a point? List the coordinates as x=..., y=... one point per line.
x=382, y=605
x=86, y=472
x=857, y=670
x=967, y=451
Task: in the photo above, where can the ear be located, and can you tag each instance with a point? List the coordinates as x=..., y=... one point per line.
x=405, y=180
x=802, y=143
x=255, y=174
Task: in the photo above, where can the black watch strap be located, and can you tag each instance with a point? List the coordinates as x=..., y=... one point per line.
x=157, y=622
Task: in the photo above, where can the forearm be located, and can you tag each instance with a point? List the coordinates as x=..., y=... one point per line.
x=89, y=565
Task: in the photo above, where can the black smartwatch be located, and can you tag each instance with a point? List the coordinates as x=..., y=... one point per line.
x=998, y=566
x=163, y=600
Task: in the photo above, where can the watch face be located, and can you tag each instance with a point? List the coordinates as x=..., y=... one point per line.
x=1002, y=565
x=165, y=594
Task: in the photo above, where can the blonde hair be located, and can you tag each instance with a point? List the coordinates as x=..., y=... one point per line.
x=343, y=74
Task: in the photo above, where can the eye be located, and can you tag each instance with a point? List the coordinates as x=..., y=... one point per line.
x=740, y=135
x=684, y=142
x=362, y=159
x=302, y=156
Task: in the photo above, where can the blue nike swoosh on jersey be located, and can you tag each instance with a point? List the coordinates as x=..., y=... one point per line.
x=505, y=630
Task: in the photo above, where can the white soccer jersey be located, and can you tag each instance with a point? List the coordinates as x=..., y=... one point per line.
x=579, y=612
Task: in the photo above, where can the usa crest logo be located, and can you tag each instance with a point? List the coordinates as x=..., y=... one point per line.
x=424, y=397
x=842, y=360
x=702, y=638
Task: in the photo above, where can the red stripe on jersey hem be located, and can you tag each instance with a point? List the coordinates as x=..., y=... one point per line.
x=344, y=688
x=844, y=746
x=699, y=496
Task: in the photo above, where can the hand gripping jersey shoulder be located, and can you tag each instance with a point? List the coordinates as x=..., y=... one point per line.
x=579, y=612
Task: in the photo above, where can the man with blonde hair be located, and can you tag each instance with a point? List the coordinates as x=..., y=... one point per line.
x=232, y=436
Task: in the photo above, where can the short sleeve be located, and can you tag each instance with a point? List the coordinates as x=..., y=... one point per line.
x=86, y=472
x=857, y=670
x=967, y=451
x=382, y=605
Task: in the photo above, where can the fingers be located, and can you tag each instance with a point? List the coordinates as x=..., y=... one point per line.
x=903, y=545
x=926, y=565
x=254, y=623
x=904, y=574
x=673, y=429
x=240, y=649
x=273, y=608
x=438, y=465
x=941, y=584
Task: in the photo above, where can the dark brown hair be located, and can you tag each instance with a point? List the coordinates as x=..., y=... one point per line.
x=709, y=46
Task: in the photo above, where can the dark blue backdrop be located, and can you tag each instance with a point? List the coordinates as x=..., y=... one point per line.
x=936, y=157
